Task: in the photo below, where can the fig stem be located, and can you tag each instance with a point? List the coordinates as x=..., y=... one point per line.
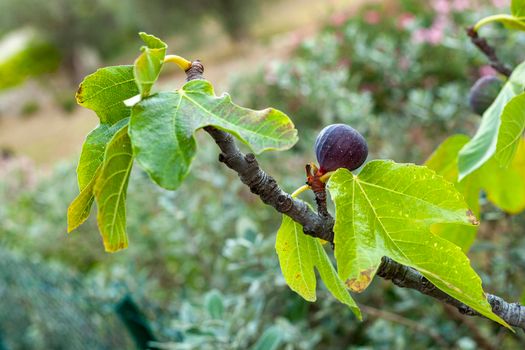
x=502, y=17
x=313, y=180
x=181, y=62
x=326, y=176
x=300, y=190
x=488, y=51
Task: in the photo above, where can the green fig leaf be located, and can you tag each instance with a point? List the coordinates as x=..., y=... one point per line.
x=505, y=187
x=298, y=255
x=110, y=191
x=387, y=211
x=512, y=22
x=510, y=130
x=483, y=145
x=163, y=125
x=88, y=170
x=93, y=151
x=148, y=65
x=444, y=161
x=105, y=92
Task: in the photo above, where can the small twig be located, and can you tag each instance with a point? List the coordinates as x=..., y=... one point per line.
x=488, y=51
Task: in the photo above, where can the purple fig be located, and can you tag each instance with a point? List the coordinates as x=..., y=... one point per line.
x=483, y=93
x=340, y=146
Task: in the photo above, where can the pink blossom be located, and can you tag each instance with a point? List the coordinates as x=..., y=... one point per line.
x=404, y=63
x=500, y=3
x=344, y=62
x=486, y=70
x=339, y=19
x=441, y=6
x=460, y=5
x=419, y=36
x=405, y=20
x=372, y=17
x=434, y=36
x=368, y=87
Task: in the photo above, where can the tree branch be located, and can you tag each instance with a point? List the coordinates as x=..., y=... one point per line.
x=259, y=182
x=263, y=185
x=407, y=277
x=488, y=51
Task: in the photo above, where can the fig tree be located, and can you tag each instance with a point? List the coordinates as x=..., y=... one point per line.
x=340, y=146
x=483, y=93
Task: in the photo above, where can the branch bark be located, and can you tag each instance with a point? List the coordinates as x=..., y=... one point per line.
x=265, y=186
x=407, y=277
x=489, y=52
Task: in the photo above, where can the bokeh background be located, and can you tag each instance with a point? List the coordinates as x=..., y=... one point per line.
x=201, y=271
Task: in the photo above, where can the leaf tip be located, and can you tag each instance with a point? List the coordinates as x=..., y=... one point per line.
x=70, y=227
x=357, y=313
x=113, y=248
x=72, y=222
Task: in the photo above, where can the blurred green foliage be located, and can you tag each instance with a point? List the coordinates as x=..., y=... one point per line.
x=203, y=266
x=36, y=59
x=108, y=26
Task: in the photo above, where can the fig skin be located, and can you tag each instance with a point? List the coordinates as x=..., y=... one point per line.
x=483, y=93
x=340, y=146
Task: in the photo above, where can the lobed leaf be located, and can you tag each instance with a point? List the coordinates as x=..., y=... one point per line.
x=105, y=92
x=148, y=65
x=387, y=211
x=88, y=170
x=110, y=191
x=483, y=145
x=162, y=129
x=298, y=255
x=93, y=151
x=511, y=130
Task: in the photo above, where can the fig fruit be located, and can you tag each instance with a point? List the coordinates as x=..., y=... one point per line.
x=340, y=146
x=483, y=93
